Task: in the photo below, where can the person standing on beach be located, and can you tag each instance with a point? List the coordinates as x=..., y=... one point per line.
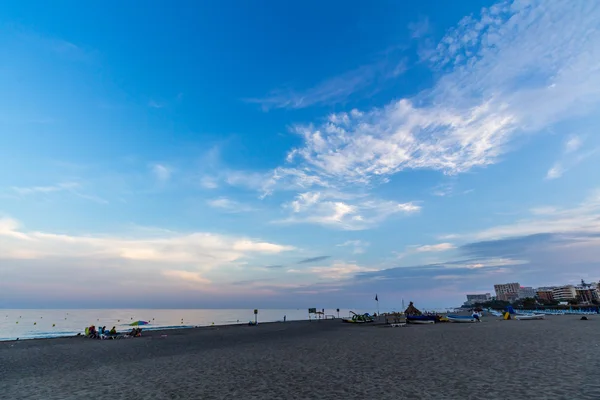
x=284, y=317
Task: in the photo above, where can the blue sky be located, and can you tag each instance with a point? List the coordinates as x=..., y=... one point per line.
x=292, y=155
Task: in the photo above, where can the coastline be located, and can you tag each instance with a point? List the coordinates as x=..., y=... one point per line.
x=150, y=331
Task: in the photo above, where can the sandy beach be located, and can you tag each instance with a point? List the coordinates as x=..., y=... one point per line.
x=558, y=358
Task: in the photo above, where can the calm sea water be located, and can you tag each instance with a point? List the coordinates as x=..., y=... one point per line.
x=30, y=324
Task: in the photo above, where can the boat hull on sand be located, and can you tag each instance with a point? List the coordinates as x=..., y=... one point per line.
x=420, y=321
x=523, y=317
x=462, y=319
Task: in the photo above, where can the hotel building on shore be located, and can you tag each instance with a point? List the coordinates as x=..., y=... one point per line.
x=507, y=291
x=477, y=298
x=526, y=292
x=545, y=294
x=564, y=293
x=585, y=294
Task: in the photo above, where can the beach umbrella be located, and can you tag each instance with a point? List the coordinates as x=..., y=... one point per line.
x=137, y=323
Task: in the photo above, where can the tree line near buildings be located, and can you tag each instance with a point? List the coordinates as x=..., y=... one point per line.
x=531, y=303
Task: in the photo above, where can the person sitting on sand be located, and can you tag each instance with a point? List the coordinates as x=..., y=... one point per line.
x=139, y=332
x=93, y=333
x=113, y=331
x=133, y=332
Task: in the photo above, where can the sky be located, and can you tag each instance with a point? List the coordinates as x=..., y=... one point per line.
x=296, y=154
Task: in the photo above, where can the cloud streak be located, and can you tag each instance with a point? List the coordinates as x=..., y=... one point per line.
x=334, y=90
x=313, y=259
x=161, y=172
x=73, y=188
x=571, y=156
x=227, y=205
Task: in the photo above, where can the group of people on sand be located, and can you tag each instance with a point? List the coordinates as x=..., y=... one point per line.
x=103, y=333
x=135, y=332
x=100, y=333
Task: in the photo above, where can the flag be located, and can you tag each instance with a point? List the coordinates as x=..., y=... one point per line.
x=376, y=299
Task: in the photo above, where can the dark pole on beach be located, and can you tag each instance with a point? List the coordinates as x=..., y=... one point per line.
x=338, y=312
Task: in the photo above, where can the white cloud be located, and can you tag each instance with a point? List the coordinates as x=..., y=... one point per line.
x=570, y=157
x=555, y=172
x=499, y=80
x=573, y=144
x=201, y=250
x=228, y=205
x=435, y=247
x=338, y=270
x=161, y=172
x=359, y=246
x=194, y=277
x=315, y=207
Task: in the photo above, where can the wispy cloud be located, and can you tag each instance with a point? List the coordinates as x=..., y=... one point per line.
x=435, y=247
x=73, y=188
x=161, y=172
x=209, y=182
x=65, y=186
x=337, y=89
x=195, y=277
x=583, y=218
x=336, y=271
x=556, y=171
x=274, y=266
x=315, y=208
x=419, y=28
x=497, y=81
x=313, y=259
x=155, y=104
x=359, y=246
x=228, y=205
x=571, y=155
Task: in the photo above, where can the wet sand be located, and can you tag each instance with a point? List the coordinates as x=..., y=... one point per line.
x=558, y=358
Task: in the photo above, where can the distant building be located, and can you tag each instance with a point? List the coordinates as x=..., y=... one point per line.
x=545, y=294
x=477, y=298
x=526, y=292
x=564, y=293
x=507, y=291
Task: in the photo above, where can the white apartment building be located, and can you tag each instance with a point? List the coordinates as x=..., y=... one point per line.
x=564, y=293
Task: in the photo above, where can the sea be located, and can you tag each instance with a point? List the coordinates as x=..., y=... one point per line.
x=36, y=324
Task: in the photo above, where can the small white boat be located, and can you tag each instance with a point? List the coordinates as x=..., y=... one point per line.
x=529, y=316
x=460, y=318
